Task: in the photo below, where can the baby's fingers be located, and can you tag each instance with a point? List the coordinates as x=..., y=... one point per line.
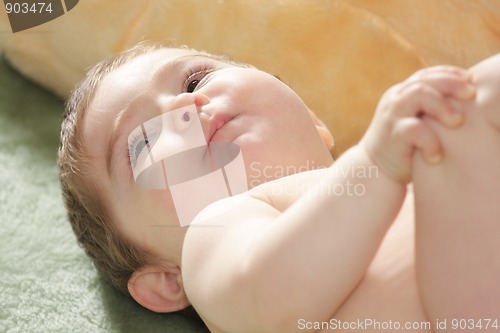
x=420, y=136
x=450, y=81
x=425, y=100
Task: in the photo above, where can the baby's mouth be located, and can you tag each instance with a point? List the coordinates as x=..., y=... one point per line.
x=216, y=123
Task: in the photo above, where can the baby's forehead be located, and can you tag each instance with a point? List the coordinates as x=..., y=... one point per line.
x=150, y=61
x=130, y=79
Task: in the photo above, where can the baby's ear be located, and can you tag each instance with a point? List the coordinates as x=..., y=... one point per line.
x=323, y=131
x=158, y=288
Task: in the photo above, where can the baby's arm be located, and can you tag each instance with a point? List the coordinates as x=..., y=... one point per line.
x=261, y=270
x=458, y=214
x=277, y=256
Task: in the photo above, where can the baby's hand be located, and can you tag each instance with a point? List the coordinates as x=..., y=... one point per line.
x=398, y=128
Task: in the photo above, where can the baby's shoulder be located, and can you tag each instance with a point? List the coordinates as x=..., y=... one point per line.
x=215, y=252
x=235, y=210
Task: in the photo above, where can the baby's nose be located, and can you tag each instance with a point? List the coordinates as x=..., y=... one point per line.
x=169, y=104
x=200, y=100
x=182, y=119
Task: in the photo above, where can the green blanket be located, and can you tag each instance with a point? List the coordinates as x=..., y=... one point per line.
x=47, y=284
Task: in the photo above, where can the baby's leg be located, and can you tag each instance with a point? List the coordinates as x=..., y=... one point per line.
x=458, y=213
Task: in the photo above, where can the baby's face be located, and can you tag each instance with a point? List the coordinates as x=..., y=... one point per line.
x=252, y=109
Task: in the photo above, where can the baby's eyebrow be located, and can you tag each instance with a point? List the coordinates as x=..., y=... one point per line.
x=167, y=66
x=179, y=61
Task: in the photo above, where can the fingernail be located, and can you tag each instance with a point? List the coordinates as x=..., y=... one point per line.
x=468, y=76
x=455, y=118
x=467, y=92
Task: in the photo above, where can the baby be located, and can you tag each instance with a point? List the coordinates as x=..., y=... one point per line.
x=317, y=251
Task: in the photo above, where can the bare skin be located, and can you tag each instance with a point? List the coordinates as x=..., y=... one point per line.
x=458, y=215
x=296, y=262
x=281, y=258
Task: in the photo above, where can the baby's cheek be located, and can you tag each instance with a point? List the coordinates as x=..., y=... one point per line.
x=162, y=206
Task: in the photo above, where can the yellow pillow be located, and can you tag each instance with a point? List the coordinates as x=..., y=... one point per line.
x=339, y=55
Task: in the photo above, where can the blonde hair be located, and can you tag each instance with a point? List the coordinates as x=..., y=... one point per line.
x=115, y=257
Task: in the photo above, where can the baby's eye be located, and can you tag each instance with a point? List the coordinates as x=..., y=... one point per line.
x=194, y=79
x=137, y=146
x=140, y=146
x=191, y=86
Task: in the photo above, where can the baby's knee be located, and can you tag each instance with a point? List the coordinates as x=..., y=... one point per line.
x=486, y=78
